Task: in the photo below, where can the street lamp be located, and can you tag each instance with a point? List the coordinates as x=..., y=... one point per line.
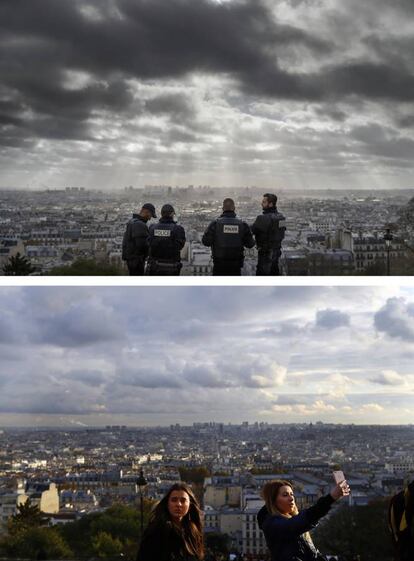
x=388, y=239
x=141, y=482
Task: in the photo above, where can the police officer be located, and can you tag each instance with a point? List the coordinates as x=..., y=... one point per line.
x=269, y=230
x=135, y=241
x=166, y=240
x=228, y=236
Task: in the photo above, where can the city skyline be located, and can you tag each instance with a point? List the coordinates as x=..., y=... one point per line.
x=88, y=356
x=283, y=94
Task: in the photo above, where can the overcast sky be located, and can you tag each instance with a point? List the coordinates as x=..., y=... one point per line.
x=281, y=93
x=141, y=355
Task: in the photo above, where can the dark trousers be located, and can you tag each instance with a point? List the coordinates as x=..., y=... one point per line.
x=268, y=263
x=226, y=268
x=161, y=268
x=136, y=266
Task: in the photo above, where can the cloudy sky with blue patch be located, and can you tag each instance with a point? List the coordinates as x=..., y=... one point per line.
x=292, y=93
x=141, y=355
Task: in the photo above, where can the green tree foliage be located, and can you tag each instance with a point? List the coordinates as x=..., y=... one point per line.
x=360, y=530
x=403, y=266
x=18, y=265
x=28, y=516
x=218, y=543
x=105, y=534
x=87, y=267
x=194, y=474
x=114, y=531
x=377, y=268
x=35, y=543
x=105, y=545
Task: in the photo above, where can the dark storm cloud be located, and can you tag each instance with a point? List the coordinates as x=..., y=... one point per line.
x=396, y=319
x=175, y=106
x=384, y=141
x=160, y=40
x=331, y=319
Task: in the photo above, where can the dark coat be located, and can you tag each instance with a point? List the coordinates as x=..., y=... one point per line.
x=235, y=253
x=284, y=536
x=269, y=229
x=135, y=241
x=166, y=247
x=163, y=543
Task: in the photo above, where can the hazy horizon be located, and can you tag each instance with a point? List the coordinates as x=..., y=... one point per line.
x=80, y=427
x=284, y=191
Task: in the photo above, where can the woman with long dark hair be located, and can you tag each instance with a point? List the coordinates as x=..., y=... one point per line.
x=285, y=528
x=175, y=530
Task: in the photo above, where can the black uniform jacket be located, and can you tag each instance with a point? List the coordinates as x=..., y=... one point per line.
x=166, y=240
x=233, y=250
x=135, y=241
x=269, y=229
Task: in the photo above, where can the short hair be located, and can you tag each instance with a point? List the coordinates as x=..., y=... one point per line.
x=167, y=211
x=271, y=198
x=228, y=204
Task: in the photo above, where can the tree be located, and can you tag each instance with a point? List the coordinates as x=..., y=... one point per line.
x=377, y=268
x=218, y=543
x=35, y=543
x=194, y=474
x=403, y=265
x=87, y=267
x=116, y=529
x=18, y=265
x=105, y=545
x=360, y=530
x=28, y=516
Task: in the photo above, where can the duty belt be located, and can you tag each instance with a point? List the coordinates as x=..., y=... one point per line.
x=166, y=265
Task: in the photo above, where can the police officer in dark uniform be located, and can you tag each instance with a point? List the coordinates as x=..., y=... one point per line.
x=269, y=230
x=166, y=240
x=228, y=236
x=135, y=241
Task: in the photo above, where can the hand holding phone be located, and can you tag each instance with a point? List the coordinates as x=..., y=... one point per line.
x=338, y=476
x=342, y=488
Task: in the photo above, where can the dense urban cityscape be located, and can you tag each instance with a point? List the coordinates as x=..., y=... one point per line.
x=328, y=232
x=71, y=473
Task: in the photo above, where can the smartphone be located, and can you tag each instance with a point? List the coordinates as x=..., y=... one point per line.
x=338, y=476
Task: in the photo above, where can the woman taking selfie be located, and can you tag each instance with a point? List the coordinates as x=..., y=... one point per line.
x=175, y=531
x=285, y=528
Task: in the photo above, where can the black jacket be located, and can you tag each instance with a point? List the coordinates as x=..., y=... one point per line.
x=166, y=240
x=269, y=229
x=284, y=536
x=135, y=241
x=163, y=543
x=228, y=247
